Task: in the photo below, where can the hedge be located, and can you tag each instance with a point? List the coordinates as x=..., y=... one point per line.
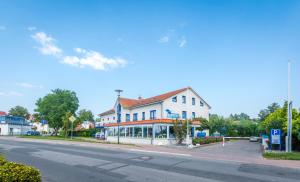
x=14, y=172
x=206, y=140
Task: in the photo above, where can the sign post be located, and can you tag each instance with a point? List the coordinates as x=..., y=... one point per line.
x=275, y=138
x=72, y=119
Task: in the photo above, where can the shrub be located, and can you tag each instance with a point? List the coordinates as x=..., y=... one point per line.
x=2, y=161
x=207, y=140
x=14, y=172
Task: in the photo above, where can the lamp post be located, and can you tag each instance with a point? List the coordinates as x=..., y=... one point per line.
x=289, y=114
x=118, y=113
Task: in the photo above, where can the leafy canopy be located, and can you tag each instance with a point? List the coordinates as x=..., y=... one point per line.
x=19, y=111
x=54, y=106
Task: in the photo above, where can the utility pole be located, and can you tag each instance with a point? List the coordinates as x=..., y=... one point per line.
x=118, y=113
x=289, y=124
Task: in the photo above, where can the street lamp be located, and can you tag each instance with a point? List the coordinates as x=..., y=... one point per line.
x=118, y=113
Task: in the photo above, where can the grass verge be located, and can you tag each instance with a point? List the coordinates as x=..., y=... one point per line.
x=75, y=139
x=282, y=155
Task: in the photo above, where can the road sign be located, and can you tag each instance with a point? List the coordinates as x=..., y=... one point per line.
x=72, y=118
x=275, y=136
x=43, y=122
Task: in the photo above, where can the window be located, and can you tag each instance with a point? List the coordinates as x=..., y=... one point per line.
x=153, y=114
x=143, y=115
x=183, y=99
x=135, y=116
x=107, y=119
x=114, y=118
x=193, y=101
x=193, y=115
x=127, y=117
x=138, y=132
x=174, y=99
x=184, y=115
x=201, y=104
x=160, y=131
x=145, y=131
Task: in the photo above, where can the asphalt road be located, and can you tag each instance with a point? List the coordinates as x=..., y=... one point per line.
x=64, y=163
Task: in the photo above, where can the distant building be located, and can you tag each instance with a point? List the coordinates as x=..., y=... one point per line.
x=43, y=128
x=12, y=125
x=150, y=121
x=85, y=125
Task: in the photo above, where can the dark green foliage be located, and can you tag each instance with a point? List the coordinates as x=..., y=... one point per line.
x=207, y=140
x=19, y=111
x=14, y=172
x=54, y=106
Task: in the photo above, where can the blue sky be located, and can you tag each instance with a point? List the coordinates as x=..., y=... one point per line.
x=233, y=53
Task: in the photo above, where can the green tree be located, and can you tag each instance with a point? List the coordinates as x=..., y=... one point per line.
x=54, y=106
x=19, y=111
x=204, y=124
x=85, y=115
x=180, y=128
x=263, y=114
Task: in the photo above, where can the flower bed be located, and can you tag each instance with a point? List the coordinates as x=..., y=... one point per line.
x=207, y=140
x=11, y=171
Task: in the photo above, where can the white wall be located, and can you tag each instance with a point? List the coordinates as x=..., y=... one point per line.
x=16, y=129
x=175, y=107
x=178, y=107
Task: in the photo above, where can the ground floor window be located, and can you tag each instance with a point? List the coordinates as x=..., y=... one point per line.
x=138, y=131
x=171, y=132
x=122, y=131
x=160, y=131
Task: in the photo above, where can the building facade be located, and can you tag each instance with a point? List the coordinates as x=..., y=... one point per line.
x=12, y=125
x=150, y=121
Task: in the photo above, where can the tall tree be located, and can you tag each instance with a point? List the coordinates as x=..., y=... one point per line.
x=263, y=114
x=85, y=115
x=19, y=111
x=54, y=106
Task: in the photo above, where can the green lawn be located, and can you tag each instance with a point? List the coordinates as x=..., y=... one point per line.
x=75, y=139
x=282, y=155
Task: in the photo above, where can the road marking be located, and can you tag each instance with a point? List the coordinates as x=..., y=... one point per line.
x=169, y=153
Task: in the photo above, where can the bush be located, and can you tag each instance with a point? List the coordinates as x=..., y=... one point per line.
x=206, y=140
x=2, y=161
x=14, y=172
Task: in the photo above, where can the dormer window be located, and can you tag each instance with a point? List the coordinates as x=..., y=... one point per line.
x=201, y=104
x=183, y=99
x=174, y=99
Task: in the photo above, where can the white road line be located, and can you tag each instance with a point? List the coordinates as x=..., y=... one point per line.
x=169, y=153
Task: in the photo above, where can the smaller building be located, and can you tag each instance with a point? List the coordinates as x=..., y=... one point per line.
x=42, y=128
x=12, y=125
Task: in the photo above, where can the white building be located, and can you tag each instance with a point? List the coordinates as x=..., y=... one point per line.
x=150, y=121
x=42, y=128
x=11, y=125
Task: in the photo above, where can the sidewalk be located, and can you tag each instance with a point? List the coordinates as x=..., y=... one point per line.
x=239, y=152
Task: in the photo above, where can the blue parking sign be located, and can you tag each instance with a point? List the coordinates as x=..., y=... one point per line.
x=275, y=136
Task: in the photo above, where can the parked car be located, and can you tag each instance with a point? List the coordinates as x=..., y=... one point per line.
x=253, y=139
x=33, y=133
x=100, y=135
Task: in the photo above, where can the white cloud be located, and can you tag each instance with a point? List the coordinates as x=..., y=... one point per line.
x=29, y=85
x=31, y=28
x=94, y=60
x=11, y=93
x=182, y=42
x=2, y=27
x=47, y=45
x=164, y=39
x=84, y=58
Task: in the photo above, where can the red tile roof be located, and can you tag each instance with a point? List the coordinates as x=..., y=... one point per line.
x=147, y=122
x=140, y=122
x=2, y=113
x=129, y=103
x=111, y=111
